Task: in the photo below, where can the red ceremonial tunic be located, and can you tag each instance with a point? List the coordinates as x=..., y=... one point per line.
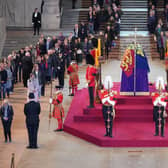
x=103, y=94
x=90, y=75
x=58, y=111
x=73, y=75
x=156, y=95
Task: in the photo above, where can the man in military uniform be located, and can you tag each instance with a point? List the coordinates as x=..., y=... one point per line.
x=90, y=78
x=58, y=111
x=108, y=103
x=159, y=109
x=73, y=77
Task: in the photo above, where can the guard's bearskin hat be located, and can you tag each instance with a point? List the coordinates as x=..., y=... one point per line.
x=89, y=59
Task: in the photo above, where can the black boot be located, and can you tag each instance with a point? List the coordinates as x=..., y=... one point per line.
x=156, y=130
x=106, y=131
x=110, y=130
x=162, y=131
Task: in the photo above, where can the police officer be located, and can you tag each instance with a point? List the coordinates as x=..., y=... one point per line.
x=32, y=110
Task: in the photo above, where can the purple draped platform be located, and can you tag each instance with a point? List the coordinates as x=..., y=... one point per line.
x=142, y=69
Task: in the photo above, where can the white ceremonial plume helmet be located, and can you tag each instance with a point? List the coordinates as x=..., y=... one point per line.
x=160, y=85
x=108, y=83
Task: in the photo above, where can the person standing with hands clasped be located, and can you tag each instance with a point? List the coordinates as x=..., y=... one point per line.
x=32, y=110
x=108, y=102
x=6, y=113
x=36, y=21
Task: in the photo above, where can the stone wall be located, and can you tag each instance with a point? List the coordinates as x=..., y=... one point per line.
x=18, y=13
x=2, y=34
x=51, y=15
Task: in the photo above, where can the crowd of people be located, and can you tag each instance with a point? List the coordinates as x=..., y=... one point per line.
x=157, y=27
x=53, y=57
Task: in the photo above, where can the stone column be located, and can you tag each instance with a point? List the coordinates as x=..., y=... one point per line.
x=2, y=34
x=51, y=15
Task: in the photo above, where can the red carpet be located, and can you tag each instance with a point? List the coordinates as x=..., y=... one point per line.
x=133, y=125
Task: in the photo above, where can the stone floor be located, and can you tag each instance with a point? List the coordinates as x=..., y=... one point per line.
x=59, y=150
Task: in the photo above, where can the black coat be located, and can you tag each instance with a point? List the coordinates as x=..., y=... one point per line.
x=36, y=20
x=9, y=112
x=32, y=111
x=27, y=64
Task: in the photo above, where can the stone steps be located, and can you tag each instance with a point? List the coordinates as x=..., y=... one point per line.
x=17, y=39
x=69, y=17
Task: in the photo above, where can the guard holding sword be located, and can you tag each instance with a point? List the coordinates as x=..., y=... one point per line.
x=108, y=102
x=159, y=103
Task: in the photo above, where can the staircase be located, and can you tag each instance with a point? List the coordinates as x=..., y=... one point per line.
x=17, y=39
x=70, y=16
x=135, y=15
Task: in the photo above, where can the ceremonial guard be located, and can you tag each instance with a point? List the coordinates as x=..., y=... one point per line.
x=159, y=107
x=73, y=77
x=108, y=102
x=90, y=78
x=58, y=111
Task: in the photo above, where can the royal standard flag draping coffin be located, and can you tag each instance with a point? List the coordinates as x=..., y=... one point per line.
x=128, y=75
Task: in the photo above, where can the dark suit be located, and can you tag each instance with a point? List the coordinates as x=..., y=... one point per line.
x=27, y=68
x=32, y=111
x=7, y=122
x=36, y=20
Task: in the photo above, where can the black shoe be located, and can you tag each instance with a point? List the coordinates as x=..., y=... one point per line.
x=10, y=140
x=71, y=94
x=35, y=147
x=110, y=136
x=6, y=141
x=162, y=136
x=57, y=130
x=106, y=134
x=29, y=147
x=90, y=106
x=156, y=134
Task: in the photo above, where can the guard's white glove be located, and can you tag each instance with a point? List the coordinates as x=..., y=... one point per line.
x=105, y=99
x=50, y=100
x=158, y=101
x=111, y=102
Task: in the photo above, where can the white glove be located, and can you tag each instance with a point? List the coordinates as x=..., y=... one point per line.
x=105, y=99
x=111, y=102
x=50, y=100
